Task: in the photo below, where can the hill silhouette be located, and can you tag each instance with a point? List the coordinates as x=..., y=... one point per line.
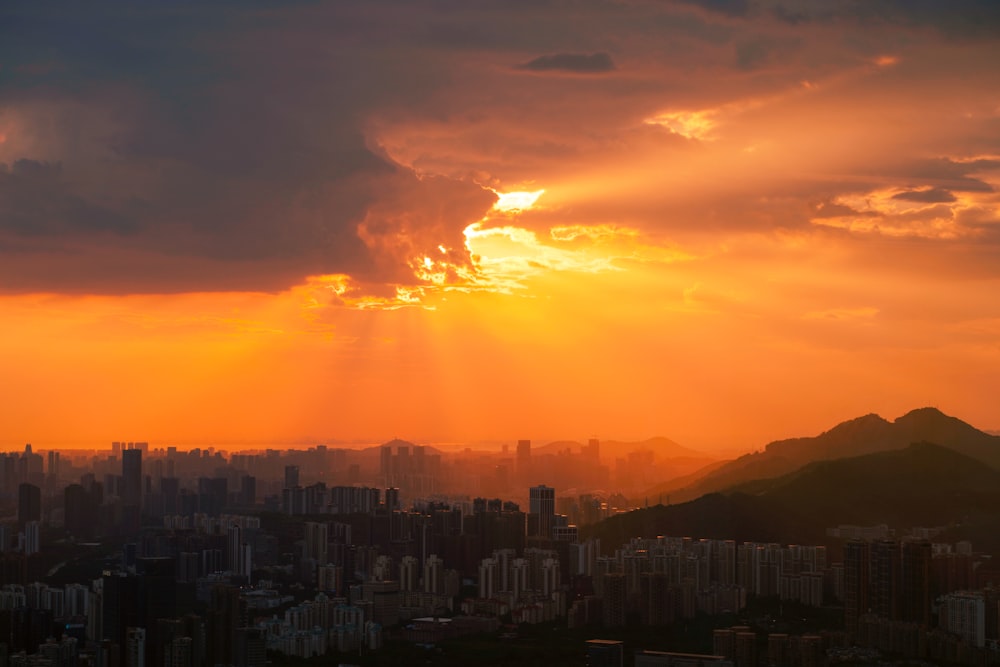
x=864, y=435
x=922, y=485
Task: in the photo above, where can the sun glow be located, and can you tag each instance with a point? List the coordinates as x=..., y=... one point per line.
x=514, y=202
x=689, y=124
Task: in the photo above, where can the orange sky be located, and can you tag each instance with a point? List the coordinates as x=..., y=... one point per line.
x=245, y=225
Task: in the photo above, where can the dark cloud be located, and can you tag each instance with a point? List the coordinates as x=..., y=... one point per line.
x=948, y=174
x=188, y=145
x=579, y=63
x=184, y=143
x=725, y=7
x=930, y=196
x=36, y=201
x=959, y=18
x=762, y=52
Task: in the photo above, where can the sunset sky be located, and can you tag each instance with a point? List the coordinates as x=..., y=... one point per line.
x=720, y=221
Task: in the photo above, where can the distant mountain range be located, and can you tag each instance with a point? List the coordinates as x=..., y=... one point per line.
x=923, y=484
x=864, y=435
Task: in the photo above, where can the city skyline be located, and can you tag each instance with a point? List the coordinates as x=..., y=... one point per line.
x=724, y=223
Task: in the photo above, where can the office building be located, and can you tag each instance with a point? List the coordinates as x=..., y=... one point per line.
x=29, y=504
x=542, y=510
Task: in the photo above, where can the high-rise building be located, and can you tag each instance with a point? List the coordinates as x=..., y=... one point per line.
x=248, y=490
x=542, y=510
x=408, y=574
x=745, y=646
x=886, y=580
x=291, y=477
x=856, y=576
x=550, y=576
x=225, y=613
x=81, y=511
x=53, y=469
x=488, y=578
x=392, y=499
x=433, y=575
x=385, y=463
x=234, y=547
x=916, y=583
x=29, y=504
x=520, y=577
x=135, y=642
x=317, y=541
x=249, y=648
x=964, y=614
x=131, y=488
x=613, y=586
x=32, y=538
x=523, y=457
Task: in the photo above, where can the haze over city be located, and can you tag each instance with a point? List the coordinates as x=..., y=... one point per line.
x=720, y=222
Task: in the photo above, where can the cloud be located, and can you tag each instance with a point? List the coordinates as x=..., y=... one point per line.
x=959, y=19
x=928, y=196
x=158, y=149
x=578, y=63
x=736, y=8
x=192, y=146
x=38, y=202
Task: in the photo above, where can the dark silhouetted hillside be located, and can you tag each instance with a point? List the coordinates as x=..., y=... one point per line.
x=922, y=485
x=864, y=435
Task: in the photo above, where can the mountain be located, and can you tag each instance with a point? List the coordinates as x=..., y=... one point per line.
x=921, y=485
x=863, y=435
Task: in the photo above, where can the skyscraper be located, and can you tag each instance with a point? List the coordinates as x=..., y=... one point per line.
x=916, y=583
x=523, y=457
x=856, y=575
x=433, y=575
x=132, y=478
x=291, y=477
x=29, y=504
x=614, y=599
x=542, y=510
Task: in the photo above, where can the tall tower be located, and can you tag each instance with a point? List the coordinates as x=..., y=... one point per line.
x=856, y=578
x=434, y=575
x=488, y=577
x=408, y=573
x=614, y=600
x=523, y=457
x=916, y=582
x=132, y=477
x=291, y=477
x=29, y=504
x=542, y=510
x=884, y=594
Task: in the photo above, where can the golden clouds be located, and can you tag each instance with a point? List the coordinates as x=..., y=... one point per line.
x=925, y=212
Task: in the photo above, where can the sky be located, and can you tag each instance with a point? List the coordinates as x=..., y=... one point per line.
x=720, y=221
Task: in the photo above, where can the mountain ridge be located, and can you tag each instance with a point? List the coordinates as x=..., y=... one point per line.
x=923, y=484
x=855, y=437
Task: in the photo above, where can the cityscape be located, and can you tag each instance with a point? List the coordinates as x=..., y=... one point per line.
x=596, y=333
x=136, y=555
